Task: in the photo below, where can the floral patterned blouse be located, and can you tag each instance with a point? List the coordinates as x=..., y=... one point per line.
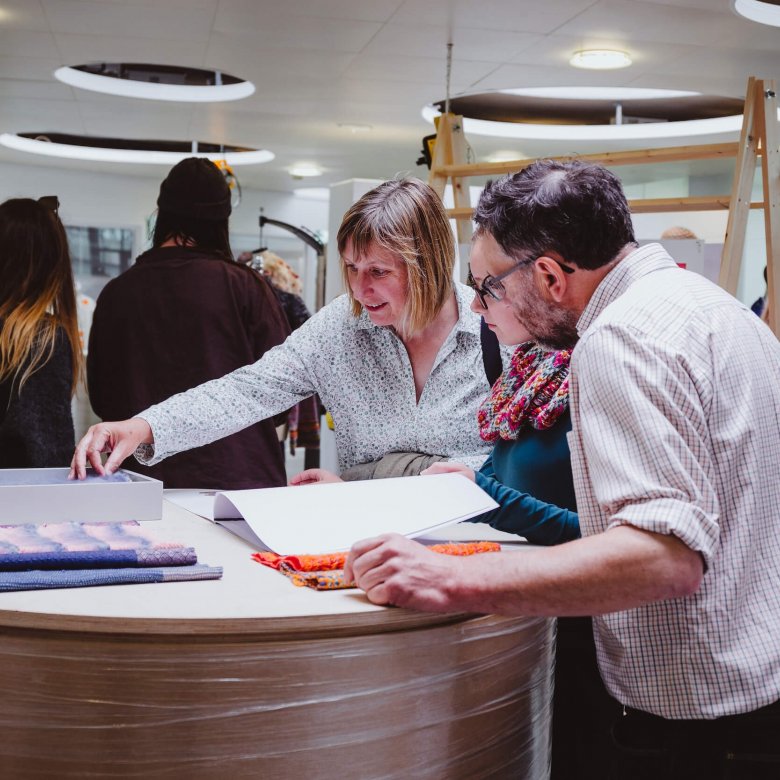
x=364, y=377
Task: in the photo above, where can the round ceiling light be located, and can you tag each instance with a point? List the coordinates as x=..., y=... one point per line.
x=120, y=150
x=761, y=11
x=305, y=170
x=156, y=82
x=600, y=59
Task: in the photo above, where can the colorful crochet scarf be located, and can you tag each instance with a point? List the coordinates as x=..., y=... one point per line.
x=533, y=391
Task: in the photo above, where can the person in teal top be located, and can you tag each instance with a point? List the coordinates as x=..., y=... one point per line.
x=526, y=417
x=528, y=472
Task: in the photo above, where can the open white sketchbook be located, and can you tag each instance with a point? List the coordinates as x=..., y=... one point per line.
x=330, y=517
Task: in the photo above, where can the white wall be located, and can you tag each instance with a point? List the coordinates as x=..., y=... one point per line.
x=116, y=200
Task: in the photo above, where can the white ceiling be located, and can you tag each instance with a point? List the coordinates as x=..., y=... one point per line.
x=318, y=63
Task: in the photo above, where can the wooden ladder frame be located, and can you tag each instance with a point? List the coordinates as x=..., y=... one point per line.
x=759, y=137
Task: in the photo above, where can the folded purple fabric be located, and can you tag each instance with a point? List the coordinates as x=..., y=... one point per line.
x=40, y=580
x=87, y=546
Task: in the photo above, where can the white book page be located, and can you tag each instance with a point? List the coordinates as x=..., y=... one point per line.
x=330, y=517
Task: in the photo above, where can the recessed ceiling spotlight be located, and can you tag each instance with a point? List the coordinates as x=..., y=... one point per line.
x=355, y=128
x=79, y=147
x=156, y=82
x=600, y=59
x=762, y=11
x=305, y=170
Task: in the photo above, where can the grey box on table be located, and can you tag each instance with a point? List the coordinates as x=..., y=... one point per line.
x=140, y=498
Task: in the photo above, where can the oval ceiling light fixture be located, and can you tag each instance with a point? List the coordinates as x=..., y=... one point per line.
x=600, y=59
x=156, y=82
x=628, y=132
x=761, y=11
x=599, y=93
x=120, y=150
x=594, y=114
x=305, y=170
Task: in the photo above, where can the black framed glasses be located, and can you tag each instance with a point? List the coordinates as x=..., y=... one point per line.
x=493, y=287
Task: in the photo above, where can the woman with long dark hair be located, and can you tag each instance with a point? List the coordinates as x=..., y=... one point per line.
x=40, y=350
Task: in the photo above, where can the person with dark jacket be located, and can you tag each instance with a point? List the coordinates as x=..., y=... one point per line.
x=40, y=352
x=183, y=314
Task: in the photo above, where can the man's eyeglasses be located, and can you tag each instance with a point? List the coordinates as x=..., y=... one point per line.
x=492, y=286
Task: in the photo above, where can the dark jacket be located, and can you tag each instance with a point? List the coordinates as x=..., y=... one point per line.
x=36, y=425
x=177, y=318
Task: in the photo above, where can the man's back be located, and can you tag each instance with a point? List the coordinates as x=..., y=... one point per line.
x=175, y=319
x=678, y=417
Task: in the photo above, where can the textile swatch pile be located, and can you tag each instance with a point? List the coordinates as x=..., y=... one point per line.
x=77, y=555
x=326, y=572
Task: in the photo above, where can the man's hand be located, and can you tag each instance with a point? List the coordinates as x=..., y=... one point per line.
x=119, y=438
x=313, y=476
x=392, y=569
x=448, y=467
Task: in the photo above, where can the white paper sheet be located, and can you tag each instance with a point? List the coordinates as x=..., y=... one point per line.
x=330, y=517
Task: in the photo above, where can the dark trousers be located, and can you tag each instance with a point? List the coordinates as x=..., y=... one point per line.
x=583, y=711
x=736, y=747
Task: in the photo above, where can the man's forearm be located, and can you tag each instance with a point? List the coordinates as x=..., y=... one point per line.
x=617, y=570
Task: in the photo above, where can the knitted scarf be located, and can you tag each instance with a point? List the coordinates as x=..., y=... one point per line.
x=533, y=391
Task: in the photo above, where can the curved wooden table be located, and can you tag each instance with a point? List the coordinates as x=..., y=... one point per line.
x=251, y=677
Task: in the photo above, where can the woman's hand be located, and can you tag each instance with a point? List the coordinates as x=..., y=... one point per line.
x=312, y=476
x=119, y=438
x=448, y=467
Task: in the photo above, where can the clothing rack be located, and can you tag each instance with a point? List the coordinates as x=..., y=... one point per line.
x=759, y=138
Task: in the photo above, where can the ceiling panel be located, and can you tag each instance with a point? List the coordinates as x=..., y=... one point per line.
x=395, y=40
x=172, y=21
x=27, y=68
x=535, y=17
x=318, y=63
x=28, y=114
x=288, y=31
x=365, y=10
x=26, y=43
x=631, y=20
x=77, y=49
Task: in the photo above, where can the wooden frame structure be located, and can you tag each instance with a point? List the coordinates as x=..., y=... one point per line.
x=759, y=137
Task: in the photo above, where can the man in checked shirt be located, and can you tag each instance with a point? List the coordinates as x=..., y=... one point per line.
x=675, y=402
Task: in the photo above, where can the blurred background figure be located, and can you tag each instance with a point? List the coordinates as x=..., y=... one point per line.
x=302, y=427
x=40, y=351
x=759, y=305
x=185, y=313
x=677, y=232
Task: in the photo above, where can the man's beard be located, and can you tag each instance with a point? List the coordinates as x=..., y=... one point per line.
x=550, y=325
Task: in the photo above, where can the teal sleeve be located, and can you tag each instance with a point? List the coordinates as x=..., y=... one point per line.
x=522, y=514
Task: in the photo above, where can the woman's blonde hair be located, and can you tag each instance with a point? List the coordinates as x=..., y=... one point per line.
x=37, y=296
x=407, y=218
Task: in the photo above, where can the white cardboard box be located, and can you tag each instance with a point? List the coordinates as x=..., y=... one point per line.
x=139, y=499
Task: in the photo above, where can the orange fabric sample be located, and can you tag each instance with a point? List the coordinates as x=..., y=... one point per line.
x=325, y=572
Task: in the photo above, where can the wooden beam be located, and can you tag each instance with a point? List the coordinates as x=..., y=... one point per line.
x=635, y=157
x=741, y=189
x=770, y=174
